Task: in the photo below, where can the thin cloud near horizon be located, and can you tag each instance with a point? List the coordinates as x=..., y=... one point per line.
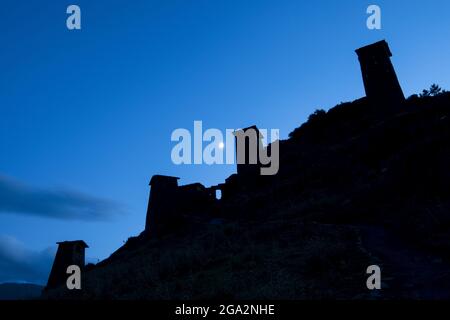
x=57, y=203
x=20, y=264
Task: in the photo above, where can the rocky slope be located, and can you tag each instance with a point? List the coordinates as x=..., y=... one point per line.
x=358, y=185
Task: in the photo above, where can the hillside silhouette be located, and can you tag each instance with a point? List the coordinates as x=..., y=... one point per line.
x=364, y=183
x=19, y=291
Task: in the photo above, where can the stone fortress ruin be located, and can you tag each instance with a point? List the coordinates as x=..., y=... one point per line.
x=171, y=206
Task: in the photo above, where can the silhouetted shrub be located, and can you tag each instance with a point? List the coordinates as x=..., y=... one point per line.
x=434, y=91
x=413, y=97
x=313, y=119
x=317, y=115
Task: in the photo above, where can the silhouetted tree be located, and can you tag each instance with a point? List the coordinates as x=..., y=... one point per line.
x=313, y=119
x=317, y=115
x=435, y=90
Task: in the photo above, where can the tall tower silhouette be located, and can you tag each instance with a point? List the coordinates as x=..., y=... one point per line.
x=380, y=80
x=163, y=202
x=248, y=145
x=69, y=253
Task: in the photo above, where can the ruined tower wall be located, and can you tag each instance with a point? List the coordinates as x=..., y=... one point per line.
x=163, y=202
x=380, y=79
x=68, y=253
x=248, y=143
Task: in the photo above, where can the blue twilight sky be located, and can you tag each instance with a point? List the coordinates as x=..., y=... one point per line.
x=86, y=116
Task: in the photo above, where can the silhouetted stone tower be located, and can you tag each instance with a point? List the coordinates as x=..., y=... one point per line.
x=249, y=142
x=380, y=80
x=69, y=253
x=162, y=203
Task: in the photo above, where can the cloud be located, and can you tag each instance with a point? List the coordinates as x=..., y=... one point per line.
x=19, y=264
x=18, y=198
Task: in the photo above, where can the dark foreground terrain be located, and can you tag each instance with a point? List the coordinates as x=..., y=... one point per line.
x=361, y=184
x=20, y=291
